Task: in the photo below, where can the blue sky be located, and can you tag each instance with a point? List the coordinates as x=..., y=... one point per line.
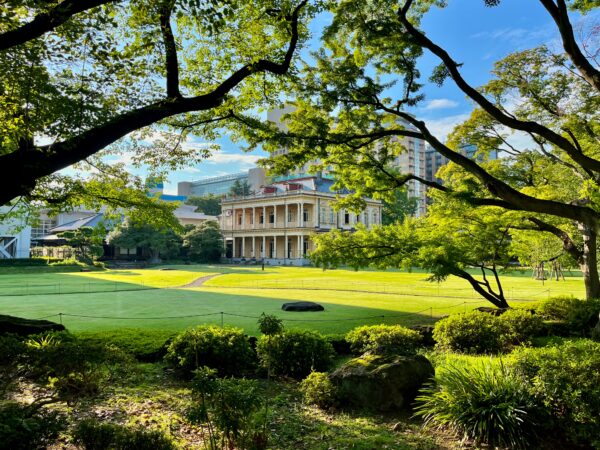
x=473, y=34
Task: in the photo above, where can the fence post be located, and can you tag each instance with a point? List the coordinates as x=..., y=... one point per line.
x=222, y=324
x=60, y=317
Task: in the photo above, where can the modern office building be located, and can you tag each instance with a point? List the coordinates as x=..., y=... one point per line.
x=221, y=185
x=277, y=223
x=434, y=161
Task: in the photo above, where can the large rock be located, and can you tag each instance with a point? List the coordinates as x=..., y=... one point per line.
x=382, y=383
x=302, y=306
x=25, y=327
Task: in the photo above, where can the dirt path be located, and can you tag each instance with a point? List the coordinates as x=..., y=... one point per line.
x=200, y=281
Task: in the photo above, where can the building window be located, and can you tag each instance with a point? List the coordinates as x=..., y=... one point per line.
x=272, y=217
x=346, y=218
x=290, y=216
x=305, y=215
x=261, y=219
x=240, y=219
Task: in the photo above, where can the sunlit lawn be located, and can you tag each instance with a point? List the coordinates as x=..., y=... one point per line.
x=154, y=299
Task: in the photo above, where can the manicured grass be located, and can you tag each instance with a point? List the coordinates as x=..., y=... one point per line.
x=154, y=299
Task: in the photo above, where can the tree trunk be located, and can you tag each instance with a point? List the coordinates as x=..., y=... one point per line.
x=588, y=263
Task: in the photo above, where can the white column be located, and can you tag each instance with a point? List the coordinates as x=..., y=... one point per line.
x=286, y=247
x=274, y=246
x=243, y=255
x=253, y=255
x=264, y=224
x=243, y=218
x=253, y=219
x=299, y=252
x=275, y=219
x=285, y=219
x=264, y=246
x=301, y=246
x=299, y=216
x=233, y=249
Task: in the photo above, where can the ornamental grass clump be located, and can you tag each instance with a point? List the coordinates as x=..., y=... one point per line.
x=487, y=403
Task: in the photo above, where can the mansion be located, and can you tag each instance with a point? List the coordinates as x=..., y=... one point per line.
x=276, y=223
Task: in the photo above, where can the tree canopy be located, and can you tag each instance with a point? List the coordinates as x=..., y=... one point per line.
x=204, y=243
x=79, y=77
x=354, y=106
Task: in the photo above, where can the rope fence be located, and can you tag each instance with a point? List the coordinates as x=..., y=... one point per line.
x=222, y=315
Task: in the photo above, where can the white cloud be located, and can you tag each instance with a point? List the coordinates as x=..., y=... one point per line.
x=190, y=170
x=441, y=128
x=441, y=103
x=221, y=157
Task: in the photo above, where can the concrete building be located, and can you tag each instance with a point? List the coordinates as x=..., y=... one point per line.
x=434, y=161
x=276, y=224
x=221, y=186
x=15, y=237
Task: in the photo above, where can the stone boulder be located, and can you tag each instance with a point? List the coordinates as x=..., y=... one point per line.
x=302, y=306
x=25, y=327
x=382, y=383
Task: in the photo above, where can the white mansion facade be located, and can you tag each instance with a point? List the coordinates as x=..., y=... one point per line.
x=276, y=223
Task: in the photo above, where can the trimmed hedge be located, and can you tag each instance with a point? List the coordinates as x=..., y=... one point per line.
x=225, y=349
x=93, y=435
x=384, y=339
x=295, y=353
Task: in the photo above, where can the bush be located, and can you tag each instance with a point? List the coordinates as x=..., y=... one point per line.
x=317, y=389
x=92, y=435
x=339, y=343
x=521, y=325
x=295, y=352
x=225, y=349
x=28, y=428
x=384, y=339
x=23, y=262
x=145, y=345
x=472, y=332
x=229, y=405
x=270, y=324
x=488, y=403
x=566, y=378
x=578, y=315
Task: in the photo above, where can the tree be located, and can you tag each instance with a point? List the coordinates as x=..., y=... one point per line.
x=349, y=117
x=155, y=241
x=84, y=75
x=210, y=205
x=399, y=207
x=240, y=188
x=87, y=242
x=204, y=242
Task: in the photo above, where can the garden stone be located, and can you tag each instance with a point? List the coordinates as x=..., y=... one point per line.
x=25, y=327
x=302, y=306
x=381, y=383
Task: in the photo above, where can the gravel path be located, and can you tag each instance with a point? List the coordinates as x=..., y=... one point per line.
x=199, y=281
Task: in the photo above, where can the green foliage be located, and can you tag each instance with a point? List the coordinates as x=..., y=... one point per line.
x=230, y=405
x=156, y=240
x=384, y=339
x=87, y=242
x=240, y=188
x=295, y=353
x=12, y=355
x=204, y=243
x=225, y=349
x=148, y=345
x=472, y=332
x=489, y=404
x=270, y=324
x=565, y=377
x=579, y=315
x=210, y=205
x=317, y=389
x=93, y=435
x=28, y=427
x=398, y=207
x=521, y=325
x=23, y=262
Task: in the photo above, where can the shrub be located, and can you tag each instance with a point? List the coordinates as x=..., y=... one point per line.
x=270, y=324
x=295, y=352
x=339, y=343
x=578, y=315
x=521, y=325
x=488, y=403
x=230, y=405
x=566, y=378
x=12, y=354
x=472, y=332
x=145, y=345
x=384, y=339
x=28, y=428
x=92, y=435
x=225, y=349
x=317, y=389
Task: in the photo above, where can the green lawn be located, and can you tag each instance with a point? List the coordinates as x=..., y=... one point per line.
x=155, y=299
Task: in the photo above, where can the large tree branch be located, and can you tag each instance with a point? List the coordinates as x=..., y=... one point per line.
x=47, y=21
x=171, y=63
x=25, y=166
x=499, y=115
x=568, y=244
x=560, y=15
